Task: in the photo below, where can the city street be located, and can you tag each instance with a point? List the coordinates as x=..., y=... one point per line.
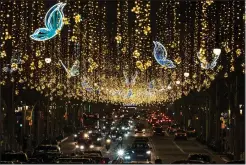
x=163, y=147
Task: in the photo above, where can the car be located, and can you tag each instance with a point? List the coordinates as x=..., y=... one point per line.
x=74, y=160
x=47, y=149
x=141, y=139
x=140, y=151
x=76, y=136
x=159, y=131
x=97, y=138
x=236, y=162
x=188, y=162
x=191, y=131
x=13, y=157
x=173, y=128
x=201, y=157
x=49, y=142
x=93, y=152
x=140, y=129
x=180, y=134
x=84, y=144
x=47, y=153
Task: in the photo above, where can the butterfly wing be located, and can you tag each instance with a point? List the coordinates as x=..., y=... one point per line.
x=74, y=71
x=160, y=53
x=42, y=34
x=169, y=64
x=54, y=17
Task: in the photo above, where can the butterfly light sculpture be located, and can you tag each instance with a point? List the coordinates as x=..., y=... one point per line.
x=205, y=64
x=130, y=82
x=53, y=23
x=74, y=71
x=160, y=54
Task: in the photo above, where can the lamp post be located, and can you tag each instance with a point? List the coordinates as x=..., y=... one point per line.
x=24, y=120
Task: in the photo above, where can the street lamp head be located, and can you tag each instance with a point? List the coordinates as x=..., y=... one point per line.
x=178, y=82
x=217, y=51
x=186, y=74
x=48, y=60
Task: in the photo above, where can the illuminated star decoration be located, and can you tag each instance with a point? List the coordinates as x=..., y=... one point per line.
x=74, y=71
x=160, y=55
x=53, y=23
x=205, y=64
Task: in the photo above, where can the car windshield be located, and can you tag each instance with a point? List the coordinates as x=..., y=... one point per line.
x=141, y=139
x=14, y=157
x=174, y=126
x=180, y=131
x=47, y=148
x=76, y=160
x=93, y=152
x=200, y=157
x=158, y=129
x=140, y=145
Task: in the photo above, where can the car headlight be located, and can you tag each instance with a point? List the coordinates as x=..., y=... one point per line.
x=133, y=152
x=99, y=139
x=108, y=141
x=143, y=130
x=127, y=157
x=120, y=152
x=91, y=146
x=148, y=152
x=86, y=135
x=82, y=147
x=126, y=135
x=90, y=131
x=77, y=146
x=75, y=135
x=122, y=128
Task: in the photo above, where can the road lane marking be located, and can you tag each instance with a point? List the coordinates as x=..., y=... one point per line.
x=167, y=133
x=208, y=152
x=201, y=146
x=178, y=147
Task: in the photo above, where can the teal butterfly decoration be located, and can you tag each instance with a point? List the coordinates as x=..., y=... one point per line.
x=53, y=23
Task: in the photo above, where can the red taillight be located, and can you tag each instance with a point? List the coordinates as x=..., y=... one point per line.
x=169, y=120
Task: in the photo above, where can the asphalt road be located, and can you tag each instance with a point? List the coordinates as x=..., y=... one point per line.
x=163, y=147
x=169, y=150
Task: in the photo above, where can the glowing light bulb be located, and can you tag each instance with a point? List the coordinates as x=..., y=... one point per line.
x=217, y=51
x=48, y=60
x=186, y=74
